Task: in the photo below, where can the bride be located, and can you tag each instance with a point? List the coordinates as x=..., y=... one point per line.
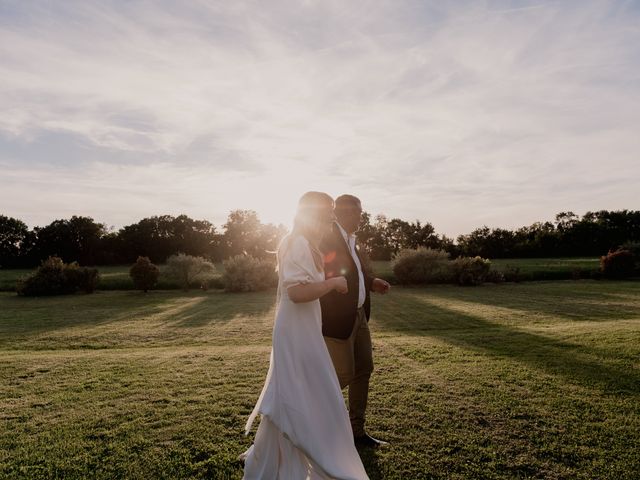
x=304, y=430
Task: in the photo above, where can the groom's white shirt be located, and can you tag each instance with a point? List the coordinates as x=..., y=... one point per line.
x=350, y=240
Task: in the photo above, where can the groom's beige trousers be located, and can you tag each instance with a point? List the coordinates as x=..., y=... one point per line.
x=353, y=361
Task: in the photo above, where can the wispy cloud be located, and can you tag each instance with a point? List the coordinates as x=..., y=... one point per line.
x=461, y=114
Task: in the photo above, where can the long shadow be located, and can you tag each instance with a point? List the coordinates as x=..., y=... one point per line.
x=567, y=300
x=225, y=308
x=22, y=317
x=572, y=361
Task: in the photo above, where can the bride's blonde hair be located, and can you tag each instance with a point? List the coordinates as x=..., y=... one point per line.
x=309, y=222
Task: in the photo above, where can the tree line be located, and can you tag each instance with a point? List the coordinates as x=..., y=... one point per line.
x=88, y=242
x=570, y=235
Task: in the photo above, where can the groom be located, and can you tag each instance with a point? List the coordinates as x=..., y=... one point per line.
x=345, y=316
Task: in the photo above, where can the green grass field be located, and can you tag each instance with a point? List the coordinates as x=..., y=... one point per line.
x=535, y=380
x=551, y=268
x=536, y=264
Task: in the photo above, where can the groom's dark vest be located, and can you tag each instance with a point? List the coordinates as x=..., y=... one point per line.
x=339, y=310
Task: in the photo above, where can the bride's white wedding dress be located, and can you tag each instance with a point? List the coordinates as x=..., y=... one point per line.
x=304, y=430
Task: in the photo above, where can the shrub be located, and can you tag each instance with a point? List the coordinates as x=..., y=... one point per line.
x=618, y=264
x=188, y=270
x=49, y=279
x=576, y=273
x=421, y=265
x=83, y=278
x=512, y=274
x=214, y=282
x=634, y=248
x=471, y=270
x=54, y=277
x=89, y=280
x=144, y=274
x=494, y=276
x=244, y=273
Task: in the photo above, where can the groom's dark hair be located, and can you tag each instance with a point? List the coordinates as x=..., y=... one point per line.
x=346, y=201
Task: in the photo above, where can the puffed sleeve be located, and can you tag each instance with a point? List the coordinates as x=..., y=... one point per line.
x=297, y=265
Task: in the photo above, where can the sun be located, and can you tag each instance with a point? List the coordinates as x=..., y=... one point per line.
x=270, y=196
x=273, y=195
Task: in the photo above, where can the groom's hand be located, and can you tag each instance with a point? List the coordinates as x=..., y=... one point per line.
x=380, y=286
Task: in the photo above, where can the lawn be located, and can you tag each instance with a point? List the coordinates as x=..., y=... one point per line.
x=539, y=267
x=534, y=380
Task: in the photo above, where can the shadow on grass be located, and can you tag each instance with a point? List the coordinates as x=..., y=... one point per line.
x=222, y=308
x=574, y=362
x=577, y=301
x=26, y=316
x=22, y=315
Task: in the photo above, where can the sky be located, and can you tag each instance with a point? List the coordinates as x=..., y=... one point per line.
x=462, y=114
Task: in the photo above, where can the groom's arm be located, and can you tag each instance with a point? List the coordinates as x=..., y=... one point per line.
x=371, y=283
x=379, y=285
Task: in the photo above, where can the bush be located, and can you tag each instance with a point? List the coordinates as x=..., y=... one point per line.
x=214, y=282
x=190, y=270
x=54, y=277
x=634, y=248
x=244, y=273
x=512, y=274
x=495, y=276
x=577, y=273
x=83, y=278
x=144, y=274
x=471, y=270
x=421, y=265
x=49, y=279
x=618, y=264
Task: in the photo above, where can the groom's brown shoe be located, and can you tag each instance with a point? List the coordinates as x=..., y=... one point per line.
x=368, y=441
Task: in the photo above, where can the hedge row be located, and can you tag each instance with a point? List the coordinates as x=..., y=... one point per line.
x=428, y=266
x=244, y=273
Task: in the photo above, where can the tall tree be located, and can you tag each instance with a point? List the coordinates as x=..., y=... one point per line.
x=77, y=239
x=241, y=233
x=14, y=235
x=245, y=234
x=159, y=237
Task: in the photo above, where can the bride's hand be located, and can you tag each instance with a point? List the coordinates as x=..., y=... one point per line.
x=339, y=284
